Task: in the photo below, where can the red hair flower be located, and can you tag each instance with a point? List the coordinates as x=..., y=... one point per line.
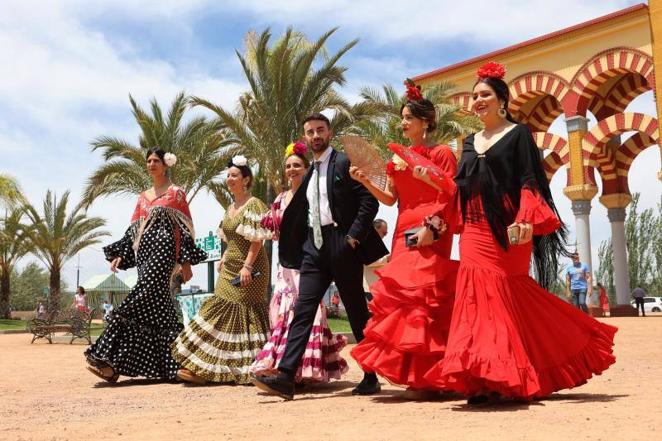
x=413, y=91
x=491, y=69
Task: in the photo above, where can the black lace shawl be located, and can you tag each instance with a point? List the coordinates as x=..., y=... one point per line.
x=498, y=176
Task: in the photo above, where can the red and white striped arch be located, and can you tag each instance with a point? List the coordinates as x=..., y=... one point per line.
x=604, y=66
x=559, y=154
x=536, y=99
x=610, y=102
x=613, y=163
x=462, y=99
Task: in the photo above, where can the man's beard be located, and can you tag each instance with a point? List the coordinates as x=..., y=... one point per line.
x=321, y=147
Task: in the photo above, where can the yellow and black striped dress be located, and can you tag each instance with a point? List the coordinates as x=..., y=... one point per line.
x=220, y=343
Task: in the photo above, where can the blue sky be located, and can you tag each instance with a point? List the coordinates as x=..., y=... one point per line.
x=69, y=66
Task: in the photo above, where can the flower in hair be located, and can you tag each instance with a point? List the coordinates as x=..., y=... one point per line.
x=239, y=161
x=298, y=148
x=170, y=159
x=413, y=91
x=491, y=69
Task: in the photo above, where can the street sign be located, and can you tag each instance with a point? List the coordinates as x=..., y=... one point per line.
x=211, y=244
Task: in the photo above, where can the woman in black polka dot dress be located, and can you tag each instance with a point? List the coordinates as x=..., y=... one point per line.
x=160, y=243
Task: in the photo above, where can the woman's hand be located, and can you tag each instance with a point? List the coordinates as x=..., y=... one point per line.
x=525, y=232
x=219, y=265
x=421, y=173
x=245, y=276
x=115, y=263
x=424, y=238
x=358, y=175
x=187, y=273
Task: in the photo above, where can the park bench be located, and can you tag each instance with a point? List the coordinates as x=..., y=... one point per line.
x=71, y=320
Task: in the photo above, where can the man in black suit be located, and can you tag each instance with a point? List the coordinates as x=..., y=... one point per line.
x=327, y=234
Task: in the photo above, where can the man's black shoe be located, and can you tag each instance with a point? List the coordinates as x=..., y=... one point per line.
x=279, y=385
x=368, y=386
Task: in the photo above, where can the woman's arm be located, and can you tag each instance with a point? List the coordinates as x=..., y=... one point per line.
x=388, y=196
x=246, y=271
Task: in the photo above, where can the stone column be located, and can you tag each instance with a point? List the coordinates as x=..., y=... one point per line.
x=616, y=204
x=579, y=191
x=582, y=209
x=621, y=279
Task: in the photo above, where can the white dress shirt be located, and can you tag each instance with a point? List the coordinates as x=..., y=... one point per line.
x=325, y=209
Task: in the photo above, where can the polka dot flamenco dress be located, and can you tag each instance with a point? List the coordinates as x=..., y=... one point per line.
x=136, y=342
x=220, y=343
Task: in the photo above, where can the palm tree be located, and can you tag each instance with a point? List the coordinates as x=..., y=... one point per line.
x=14, y=244
x=201, y=147
x=57, y=236
x=288, y=80
x=452, y=122
x=10, y=192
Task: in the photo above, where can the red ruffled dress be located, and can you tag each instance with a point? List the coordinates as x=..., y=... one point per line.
x=413, y=297
x=507, y=334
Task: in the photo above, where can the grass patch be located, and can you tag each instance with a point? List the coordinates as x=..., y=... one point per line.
x=6, y=325
x=339, y=325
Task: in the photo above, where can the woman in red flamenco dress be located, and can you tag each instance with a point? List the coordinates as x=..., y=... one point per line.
x=413, y=297
x=508, y=336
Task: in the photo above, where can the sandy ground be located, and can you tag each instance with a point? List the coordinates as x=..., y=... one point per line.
x=46, y=394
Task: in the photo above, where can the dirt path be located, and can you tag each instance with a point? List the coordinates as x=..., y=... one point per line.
x=47, y=395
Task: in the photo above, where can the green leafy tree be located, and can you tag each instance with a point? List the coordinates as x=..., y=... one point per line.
x=28, y=287
x=14, y=244
x=57, y=236
x=201, y=147
x=452, y=121
x=288, y=79
x=10, y=192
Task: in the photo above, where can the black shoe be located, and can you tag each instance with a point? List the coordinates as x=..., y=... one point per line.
x=279, y=385
x=368, y=386
x=484, y=400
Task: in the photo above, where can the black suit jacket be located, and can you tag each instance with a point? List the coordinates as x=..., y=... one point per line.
x=353, y=208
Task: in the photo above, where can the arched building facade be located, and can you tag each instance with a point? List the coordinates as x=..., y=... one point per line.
x=596, y=67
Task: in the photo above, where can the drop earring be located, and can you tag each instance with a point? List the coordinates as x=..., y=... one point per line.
x=502, y=113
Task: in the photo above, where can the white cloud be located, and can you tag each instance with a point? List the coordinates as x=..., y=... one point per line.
x=426, y=21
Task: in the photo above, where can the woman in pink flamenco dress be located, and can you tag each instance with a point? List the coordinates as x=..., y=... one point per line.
x=321, y=361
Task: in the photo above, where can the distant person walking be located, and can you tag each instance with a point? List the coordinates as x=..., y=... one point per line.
x=604, y=299
x=638, y=295
x=578, y=282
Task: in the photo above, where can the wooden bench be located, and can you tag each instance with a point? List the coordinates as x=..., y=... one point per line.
x=72, y=321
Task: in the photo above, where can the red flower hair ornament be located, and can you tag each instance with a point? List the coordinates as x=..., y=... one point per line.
x=413, y=91
x=491, y=69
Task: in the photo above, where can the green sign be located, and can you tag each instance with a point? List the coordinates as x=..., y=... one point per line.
x=211, y=244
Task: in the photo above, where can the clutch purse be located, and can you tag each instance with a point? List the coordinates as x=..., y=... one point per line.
x=237, y=280
x=513, y=234
x=410, y=237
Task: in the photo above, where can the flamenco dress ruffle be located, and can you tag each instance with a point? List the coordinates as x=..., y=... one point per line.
x=411, y=310
x=509, y=335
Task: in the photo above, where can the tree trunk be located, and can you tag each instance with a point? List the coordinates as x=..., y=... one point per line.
x=54, y=295
x=5, y=289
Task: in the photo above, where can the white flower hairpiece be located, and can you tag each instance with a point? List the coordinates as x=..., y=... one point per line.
x=239, y=161
x=170, y=159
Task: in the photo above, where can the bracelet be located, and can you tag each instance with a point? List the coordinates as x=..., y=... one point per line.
x=248, y=266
